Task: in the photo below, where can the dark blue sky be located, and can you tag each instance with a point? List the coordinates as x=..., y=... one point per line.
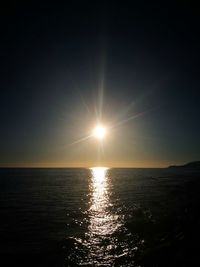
x=56, y=62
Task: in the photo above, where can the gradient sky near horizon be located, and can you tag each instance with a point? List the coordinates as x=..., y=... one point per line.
x=133, y=67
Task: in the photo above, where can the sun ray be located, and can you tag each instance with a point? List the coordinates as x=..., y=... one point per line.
x=80, y=140
x=127, y=120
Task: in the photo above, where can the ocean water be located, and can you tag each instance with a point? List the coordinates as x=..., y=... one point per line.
x=99, y=217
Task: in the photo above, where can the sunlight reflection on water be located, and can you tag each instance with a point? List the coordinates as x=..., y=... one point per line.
x=102, y=222
x=105, y=241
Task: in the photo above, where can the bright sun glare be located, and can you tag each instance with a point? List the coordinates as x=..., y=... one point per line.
x=99, y=132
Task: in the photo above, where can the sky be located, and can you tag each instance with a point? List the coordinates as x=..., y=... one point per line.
x=132, y=67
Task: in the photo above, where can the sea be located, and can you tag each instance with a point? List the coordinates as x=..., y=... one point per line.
x=99, y=217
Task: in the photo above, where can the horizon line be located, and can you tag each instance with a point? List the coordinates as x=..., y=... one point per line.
x=88, y=166
x=20, y=167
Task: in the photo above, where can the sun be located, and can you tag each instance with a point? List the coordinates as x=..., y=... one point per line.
x=99, y=132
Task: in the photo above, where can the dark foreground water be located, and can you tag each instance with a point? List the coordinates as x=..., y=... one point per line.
x=99, y=217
